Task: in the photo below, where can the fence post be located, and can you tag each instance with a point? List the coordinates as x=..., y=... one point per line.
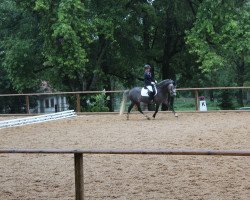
x=79, y=188
x=196, y=100
x=78, y=103
x=27, y=104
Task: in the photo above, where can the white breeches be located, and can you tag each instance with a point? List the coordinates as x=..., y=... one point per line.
x=150, y=88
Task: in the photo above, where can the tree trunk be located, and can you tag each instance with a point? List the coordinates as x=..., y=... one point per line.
x=107, y=87
x=105, y=68
x=248, y=96
x=169, y=47
x=240, y=81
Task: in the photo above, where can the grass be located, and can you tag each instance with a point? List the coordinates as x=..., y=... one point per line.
x=188, y=104
x=183, y=104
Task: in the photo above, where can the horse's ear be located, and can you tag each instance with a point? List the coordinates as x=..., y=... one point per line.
x=174, y=83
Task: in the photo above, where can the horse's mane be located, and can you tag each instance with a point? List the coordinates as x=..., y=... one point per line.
x=165, y=83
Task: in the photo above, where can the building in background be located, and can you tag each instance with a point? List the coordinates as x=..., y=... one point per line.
x=50, y=103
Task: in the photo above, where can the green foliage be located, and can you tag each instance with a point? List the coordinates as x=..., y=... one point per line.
x=20, y=46
x=225, y=101
x=19, y=56
x=220, y=36
x=97, y=103
x=65, y=30
x=42, y=5
x=95, y=45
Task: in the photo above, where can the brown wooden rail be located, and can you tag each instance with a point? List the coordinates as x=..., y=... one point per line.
x=116, y=91
x=61, y=93
x=132, y=151
x=77, y=93
x=78, y=158
x=212, y=88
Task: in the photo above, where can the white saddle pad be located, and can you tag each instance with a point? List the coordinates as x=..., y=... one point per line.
x=144, y=92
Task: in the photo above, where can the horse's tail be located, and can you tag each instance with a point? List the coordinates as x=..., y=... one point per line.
x=124, y=100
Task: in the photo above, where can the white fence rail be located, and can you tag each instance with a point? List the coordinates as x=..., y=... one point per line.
x=37, y=119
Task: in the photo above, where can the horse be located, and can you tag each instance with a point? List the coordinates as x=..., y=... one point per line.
x=166, y=90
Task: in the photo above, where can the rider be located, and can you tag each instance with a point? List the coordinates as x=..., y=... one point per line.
x=149, y=81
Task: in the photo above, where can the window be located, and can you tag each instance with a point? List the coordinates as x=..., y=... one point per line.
x=52, y=104
x=46, y=103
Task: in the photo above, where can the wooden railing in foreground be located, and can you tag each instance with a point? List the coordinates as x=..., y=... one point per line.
x=78, y=158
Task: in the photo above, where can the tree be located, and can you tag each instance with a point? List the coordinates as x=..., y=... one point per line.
x=66, y=35
x=220, y=38
x=20, y=46
x=93, y=44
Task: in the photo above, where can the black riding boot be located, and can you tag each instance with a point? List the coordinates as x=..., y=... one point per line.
x=151, y=96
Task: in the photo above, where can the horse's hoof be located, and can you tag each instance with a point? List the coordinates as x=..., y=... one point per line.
x=148, y=118
x=176, y=115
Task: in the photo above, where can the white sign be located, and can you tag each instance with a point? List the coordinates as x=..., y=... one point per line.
x=203, y=105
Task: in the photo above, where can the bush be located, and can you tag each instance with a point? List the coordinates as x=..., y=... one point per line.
x=98, y=104
x=225, y=100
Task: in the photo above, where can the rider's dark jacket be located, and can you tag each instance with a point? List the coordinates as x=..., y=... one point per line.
x=148, y=78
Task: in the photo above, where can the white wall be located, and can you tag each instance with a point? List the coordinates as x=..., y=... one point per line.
x=60, y=101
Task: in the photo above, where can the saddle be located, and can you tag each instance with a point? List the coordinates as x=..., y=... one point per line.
x=146, y=90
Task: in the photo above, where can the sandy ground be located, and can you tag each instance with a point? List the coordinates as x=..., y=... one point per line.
x=130, y=176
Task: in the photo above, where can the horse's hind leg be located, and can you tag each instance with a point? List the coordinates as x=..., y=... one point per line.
x=129, y=109
x=140, y=110
x=156, y=110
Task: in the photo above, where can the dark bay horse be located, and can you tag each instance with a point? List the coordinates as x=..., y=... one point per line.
x=166, y=89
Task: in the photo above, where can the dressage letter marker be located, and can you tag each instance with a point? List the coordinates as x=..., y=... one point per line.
x=203, y=105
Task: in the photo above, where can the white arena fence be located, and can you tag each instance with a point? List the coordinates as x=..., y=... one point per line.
x=37, y=119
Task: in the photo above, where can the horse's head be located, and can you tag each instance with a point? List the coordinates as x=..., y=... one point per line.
x=172, y=89
x=168, y=86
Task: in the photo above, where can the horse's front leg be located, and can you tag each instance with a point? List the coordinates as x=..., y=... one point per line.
x=171, y=106
x=156, y=110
